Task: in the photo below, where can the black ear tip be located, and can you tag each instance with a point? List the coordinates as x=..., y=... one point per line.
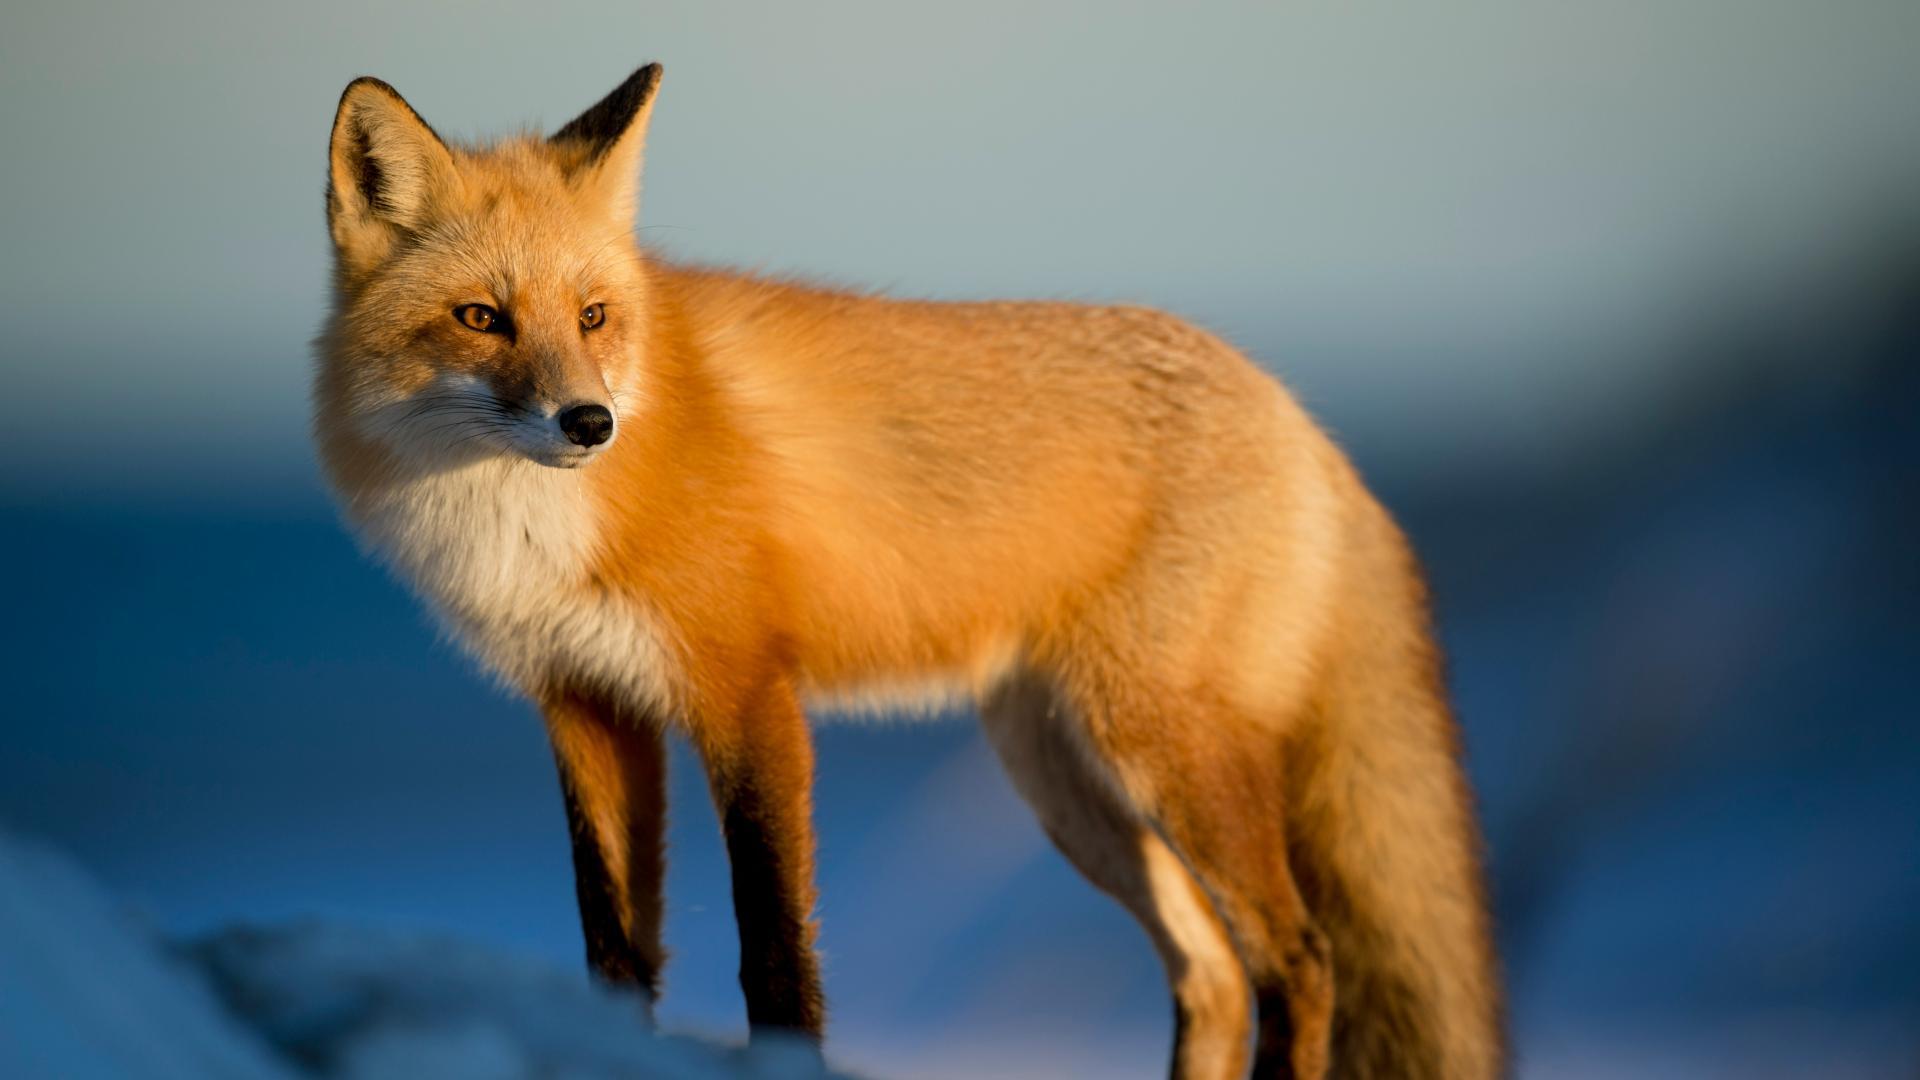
x=366, y=92
x=609, y=119
x=366, y=84
x=640, y=85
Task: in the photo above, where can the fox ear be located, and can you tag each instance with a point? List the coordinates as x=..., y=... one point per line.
x=600, y=149
x=388, y=169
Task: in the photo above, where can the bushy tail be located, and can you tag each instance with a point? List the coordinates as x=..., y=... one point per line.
x=1388, y=855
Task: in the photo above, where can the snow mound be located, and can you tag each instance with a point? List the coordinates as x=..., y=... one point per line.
x=372, y=1005
x=85, y=991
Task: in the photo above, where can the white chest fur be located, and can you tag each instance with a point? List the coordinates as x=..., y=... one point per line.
x=502, y=551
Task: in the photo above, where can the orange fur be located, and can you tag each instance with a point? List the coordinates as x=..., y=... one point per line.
x=1200, y=645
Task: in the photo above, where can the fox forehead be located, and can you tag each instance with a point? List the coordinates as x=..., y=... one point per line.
x=496, y=259
x=516, y=223
x=520, y=175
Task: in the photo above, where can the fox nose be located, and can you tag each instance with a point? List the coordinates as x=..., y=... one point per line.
x=587, y=425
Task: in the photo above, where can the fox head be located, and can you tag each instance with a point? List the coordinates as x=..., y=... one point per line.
x=490, y=300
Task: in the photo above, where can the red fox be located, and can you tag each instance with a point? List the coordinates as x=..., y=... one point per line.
x=660, y=499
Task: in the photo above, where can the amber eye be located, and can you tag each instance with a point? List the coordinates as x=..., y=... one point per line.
x=477, y=317
x=593, y=315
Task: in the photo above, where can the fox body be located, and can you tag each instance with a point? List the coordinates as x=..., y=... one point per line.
x=658, y=499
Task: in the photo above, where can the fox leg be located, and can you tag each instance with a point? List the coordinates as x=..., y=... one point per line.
x=758, y=755
x=1114, y=848
x=613, y=777
x=1212, y=782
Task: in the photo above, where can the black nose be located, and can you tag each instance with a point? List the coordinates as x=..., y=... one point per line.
x=587, y=425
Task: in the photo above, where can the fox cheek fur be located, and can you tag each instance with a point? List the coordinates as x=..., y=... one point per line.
x=657, y=499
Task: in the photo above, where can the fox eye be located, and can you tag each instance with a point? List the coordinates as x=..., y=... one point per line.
x=593, y=315
x=477, y=317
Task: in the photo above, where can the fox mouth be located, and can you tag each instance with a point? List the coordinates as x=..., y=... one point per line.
x=562, y=454
x=566, y=459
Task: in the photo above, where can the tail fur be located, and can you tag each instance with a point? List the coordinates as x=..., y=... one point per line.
x=1387, y=851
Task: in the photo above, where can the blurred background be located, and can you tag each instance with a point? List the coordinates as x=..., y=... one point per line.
x=1617, y=306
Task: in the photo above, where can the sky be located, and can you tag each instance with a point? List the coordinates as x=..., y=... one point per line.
x=1468, y=235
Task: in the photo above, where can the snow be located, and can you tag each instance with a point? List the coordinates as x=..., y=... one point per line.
x=87, y=991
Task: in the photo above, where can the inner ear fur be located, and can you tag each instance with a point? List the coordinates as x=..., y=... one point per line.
x=387, y=169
